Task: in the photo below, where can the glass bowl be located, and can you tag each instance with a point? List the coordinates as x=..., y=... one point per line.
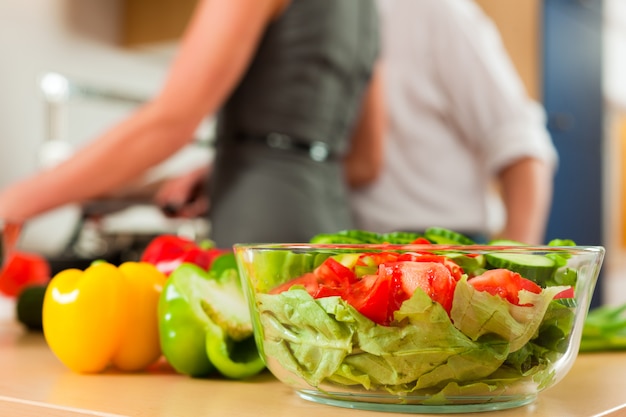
x=418, y=328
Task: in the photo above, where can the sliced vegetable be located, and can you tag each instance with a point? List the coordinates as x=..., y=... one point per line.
x=434, y=278
x=478, y=313
x=204, y=324
x=373, y=296
x=504, y=283
x=471, y=264
x=537, y=268
x=394, y=279
x=365, y=237
x=455, y=270
x=440, y=235
x=402, y=238
x=412, y=322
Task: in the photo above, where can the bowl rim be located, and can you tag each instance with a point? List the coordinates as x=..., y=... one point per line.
x=422, y=247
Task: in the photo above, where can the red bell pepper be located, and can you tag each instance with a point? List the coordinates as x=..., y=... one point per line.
x=167, y=252
x=23, y=269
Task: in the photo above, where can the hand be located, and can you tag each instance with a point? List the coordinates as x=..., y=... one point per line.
x=185, y=195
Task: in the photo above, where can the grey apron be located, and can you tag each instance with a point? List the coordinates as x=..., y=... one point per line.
x=277, y=175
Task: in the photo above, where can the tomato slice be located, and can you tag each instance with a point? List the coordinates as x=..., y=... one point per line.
x=454, y=268
x=371, y=296
x=434, y=278
x=308, y=281
x=313, y=285
x=377, y=258
x=568, y=293
x=329, y=279
x=390, y=279
x=504, y=283
x=333, y=273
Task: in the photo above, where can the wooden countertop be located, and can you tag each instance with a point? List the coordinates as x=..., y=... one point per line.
x=34, y=383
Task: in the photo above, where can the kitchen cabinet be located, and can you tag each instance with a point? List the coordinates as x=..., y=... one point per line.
x=519, y=23
x=147, y=22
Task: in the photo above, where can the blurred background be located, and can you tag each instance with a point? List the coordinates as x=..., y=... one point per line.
x=71, y=68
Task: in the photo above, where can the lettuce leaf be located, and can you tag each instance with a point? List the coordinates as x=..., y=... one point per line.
x=327, y=339
x=477, y=313
x=485, y=342
x=302, y=336
x=425, y=354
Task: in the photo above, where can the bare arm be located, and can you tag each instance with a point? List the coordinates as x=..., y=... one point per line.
x=215, y=50
x=526, y=189
x=365, y=159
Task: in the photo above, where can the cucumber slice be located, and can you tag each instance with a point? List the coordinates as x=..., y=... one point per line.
x=296, y=264
x=561, y=242
x=347, y=236
x=471, y=265
x=334, y=238
x=363, y=236
x=537, y=268
x=400, y=238
x=439, y=235
x=566, y=276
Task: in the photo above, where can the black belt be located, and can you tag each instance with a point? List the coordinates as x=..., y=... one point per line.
x=316, y=150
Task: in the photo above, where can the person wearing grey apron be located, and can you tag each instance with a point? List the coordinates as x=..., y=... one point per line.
x=278, y=173
x=292, y=83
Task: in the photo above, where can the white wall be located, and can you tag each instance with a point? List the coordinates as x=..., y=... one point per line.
x=79, y=39
x=615, y=99
x=615, y=53
x=74, y=37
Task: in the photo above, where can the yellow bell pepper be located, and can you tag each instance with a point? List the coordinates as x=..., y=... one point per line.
x=104, y=316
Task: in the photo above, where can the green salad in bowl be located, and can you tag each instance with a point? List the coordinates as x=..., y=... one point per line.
x=418, y=323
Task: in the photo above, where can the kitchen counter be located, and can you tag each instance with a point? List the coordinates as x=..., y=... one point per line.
x=34, y=383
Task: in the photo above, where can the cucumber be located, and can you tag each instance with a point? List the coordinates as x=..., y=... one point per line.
x=566, y=276
x=353, y=236
x=363, y=236
x=537, y=268
x=400, y=238
x=334, y=238
x=296, y=264
x=471, y=265
x=30, y=306
x=561, y=242
x=441, y=236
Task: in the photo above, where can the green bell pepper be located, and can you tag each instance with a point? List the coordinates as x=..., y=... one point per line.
x=204, y=322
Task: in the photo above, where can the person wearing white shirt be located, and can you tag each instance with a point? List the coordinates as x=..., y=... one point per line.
x=459, y=121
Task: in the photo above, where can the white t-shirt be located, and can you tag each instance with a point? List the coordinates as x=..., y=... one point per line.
x=458, y=113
